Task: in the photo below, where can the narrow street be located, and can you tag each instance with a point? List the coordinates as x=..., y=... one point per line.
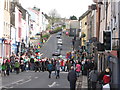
x=40, y=39
x=51, y=45
x=33, y=79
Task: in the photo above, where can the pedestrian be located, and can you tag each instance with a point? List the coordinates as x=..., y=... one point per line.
x=73, y=43
x=72, y=78
x=58, y=69
x=62, y=65
x=3, y=69
x=85, y=68
x=43, y=65
x=100, y=79
x=26, y=62
x=50, y=68
x=32, y=63
x=78, y=69
x=37, y=66
x=17, y=66
x=75, y=37
x=12, y=62
x=22, y=65
x=7, y=67
x=93, y=77
x=106, y=79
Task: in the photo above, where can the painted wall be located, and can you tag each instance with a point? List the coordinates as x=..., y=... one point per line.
x=6, y=32
x=1, y=17
x=84, y=29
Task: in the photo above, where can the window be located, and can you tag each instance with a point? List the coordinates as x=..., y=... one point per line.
x=8, y=6
x=4, y=27
x=85, y=23
x=5, y=4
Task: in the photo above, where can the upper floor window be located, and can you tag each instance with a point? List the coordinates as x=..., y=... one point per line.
x=7, y=5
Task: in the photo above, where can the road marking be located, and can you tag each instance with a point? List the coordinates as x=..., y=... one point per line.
x=36, y=77
x=49, y=38
x=11, y=84
x=63, y=72
x=26, y=81
x=11, y=87
x=53, y=84
x=57, y=85
x=17, y=81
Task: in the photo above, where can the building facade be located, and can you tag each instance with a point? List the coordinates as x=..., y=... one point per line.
x=6, y=28
x=84, y=28
x=1, y=28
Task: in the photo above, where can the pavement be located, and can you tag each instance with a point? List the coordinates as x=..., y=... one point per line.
x=82, y=83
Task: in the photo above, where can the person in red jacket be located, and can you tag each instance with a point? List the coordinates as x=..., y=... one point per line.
x=106, y=77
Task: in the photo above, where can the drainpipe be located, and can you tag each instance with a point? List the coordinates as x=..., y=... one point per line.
x=118, y=55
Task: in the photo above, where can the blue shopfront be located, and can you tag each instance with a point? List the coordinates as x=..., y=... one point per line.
x=14, y=48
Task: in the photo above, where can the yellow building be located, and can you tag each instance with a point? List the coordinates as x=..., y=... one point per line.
x=84, y=28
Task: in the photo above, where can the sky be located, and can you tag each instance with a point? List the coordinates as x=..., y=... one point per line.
x=65, y=8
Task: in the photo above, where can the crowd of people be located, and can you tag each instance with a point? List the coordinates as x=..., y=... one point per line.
x=75, y=61
x=35, y=62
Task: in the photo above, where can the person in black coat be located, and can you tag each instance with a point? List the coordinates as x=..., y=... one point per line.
x=72, y=78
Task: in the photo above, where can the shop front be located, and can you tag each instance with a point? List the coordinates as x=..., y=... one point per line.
x=6, y=48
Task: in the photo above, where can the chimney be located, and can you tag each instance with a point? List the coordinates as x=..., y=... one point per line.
x=17, y=1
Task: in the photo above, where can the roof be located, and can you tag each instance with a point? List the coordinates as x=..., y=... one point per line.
x=84, y=14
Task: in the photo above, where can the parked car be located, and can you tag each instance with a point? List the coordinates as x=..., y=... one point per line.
x=59, y=33
x=59, y=41
x=58, y=36
x=57, y=53
x=59, y=46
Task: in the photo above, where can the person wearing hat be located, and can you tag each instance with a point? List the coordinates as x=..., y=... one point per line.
x=106, y=79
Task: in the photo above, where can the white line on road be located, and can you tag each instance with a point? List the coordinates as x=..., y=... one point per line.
x=12, y=83
x=53, y=84
x=26, y=81
x=63, y=72
x=11, y=87
x=48, y=38
x=36, y=77
x=17, y=81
